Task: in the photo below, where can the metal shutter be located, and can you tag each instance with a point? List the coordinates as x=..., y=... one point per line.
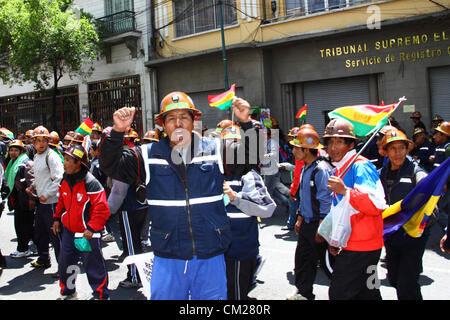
x=326, y=95
x=439, y=91
x=211, y=116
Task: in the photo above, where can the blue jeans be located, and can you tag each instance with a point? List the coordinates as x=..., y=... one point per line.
x=293, y=207
x=198, y=279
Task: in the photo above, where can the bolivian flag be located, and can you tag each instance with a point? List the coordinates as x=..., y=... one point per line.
x=301, y=114
x=224, y=100
x=86, y=127
x=413, y=212
x=366, y=118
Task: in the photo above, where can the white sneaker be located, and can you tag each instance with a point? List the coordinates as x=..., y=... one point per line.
x=21, y=254
x=292, y=295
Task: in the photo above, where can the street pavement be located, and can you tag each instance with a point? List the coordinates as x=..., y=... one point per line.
x=20, y=281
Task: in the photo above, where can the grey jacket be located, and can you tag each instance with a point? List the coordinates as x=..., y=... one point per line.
x=48, y=172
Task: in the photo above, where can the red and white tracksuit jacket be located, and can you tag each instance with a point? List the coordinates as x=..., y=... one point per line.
x=82, y=204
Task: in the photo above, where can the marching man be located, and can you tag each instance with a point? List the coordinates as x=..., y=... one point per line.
x=82, y=210
x=181, y=177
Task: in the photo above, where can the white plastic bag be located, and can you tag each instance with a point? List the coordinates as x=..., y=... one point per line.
x=336, y=227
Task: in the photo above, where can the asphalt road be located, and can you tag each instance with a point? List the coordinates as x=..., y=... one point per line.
x=20, y=281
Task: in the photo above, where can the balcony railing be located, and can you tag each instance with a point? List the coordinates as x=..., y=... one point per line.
x=117, y=23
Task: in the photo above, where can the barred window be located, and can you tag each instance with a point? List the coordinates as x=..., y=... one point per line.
x=194, y=16
x=303, y=7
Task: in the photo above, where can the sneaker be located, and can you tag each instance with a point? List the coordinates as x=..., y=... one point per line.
x=108, y=238
x=73, y=296
x=287, y=228
x=129, y=284
x=299, y=297
x=36, y=264
x=296, y=296
x=21, y=254
x=292, y=295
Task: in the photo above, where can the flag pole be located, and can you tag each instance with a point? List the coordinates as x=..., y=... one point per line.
x=359, y=152
x=400, y=101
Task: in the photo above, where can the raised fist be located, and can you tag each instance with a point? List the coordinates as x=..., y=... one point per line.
x=241, y=109
x=123, y=118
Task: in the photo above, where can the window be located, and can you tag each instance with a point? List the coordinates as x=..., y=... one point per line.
x=115, y=6
x=119, y=16
x=302, y=7
x=194, y=16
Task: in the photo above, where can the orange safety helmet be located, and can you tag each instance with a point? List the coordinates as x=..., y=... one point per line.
x=151, y=135
x=54, y=139
x=176, y=100
x=391, y=136
x=293, y=131
x=130, y=133
x=17, y=144
x=444, y=127
x=29, y=133
x=307, y=138
x=224, y=124
x=40, y=131
x=231, y=132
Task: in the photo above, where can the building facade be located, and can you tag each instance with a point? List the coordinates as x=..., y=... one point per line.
x=119, y=79
x=323, y=53
x=280, y=54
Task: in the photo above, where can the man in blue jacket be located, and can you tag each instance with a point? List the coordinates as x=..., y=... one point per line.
x=315, y=203
x=181, y=177
x=248, y=199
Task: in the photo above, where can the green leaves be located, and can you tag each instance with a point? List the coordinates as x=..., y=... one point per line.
x=42, y=40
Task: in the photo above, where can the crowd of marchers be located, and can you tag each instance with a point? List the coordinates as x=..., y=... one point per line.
x=196, y=196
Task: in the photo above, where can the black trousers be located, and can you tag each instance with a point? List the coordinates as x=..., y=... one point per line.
x=23, y=224
x=404, y=263
x=353, y=276
x=240, y=275
x=307, y=254
x=131, y=227
x=43, y=234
